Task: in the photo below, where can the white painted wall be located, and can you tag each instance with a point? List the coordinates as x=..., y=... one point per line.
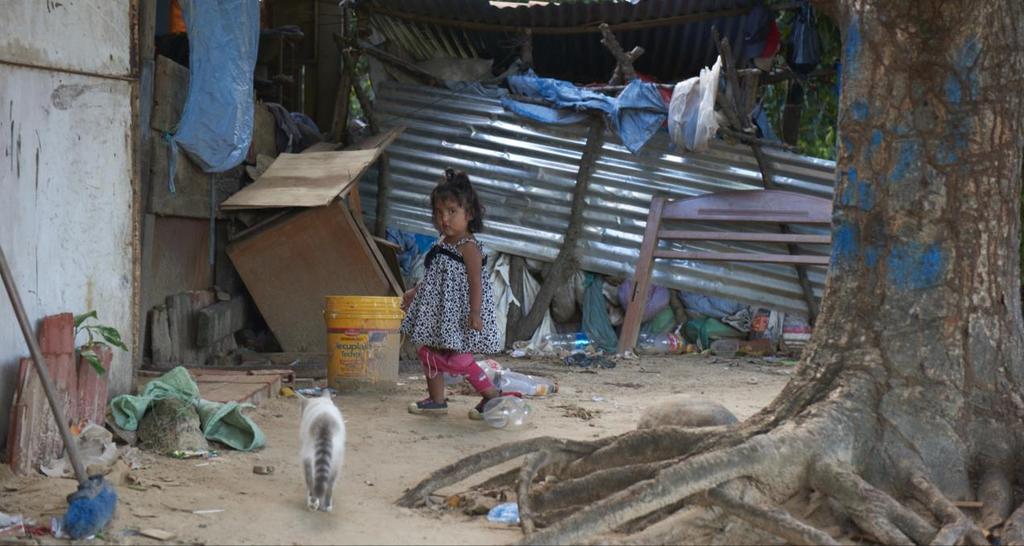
x=66, y=200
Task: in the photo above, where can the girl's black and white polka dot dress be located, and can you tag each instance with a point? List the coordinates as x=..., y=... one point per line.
x=438, y=316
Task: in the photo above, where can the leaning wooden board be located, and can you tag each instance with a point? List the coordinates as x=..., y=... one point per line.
x=226, y=386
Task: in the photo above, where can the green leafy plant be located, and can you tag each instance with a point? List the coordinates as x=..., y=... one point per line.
x=87, y=350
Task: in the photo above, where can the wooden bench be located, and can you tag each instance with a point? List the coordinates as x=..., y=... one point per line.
x=765, y=206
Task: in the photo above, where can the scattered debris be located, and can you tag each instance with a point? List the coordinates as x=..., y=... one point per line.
x=583, y=360
x=11, y=525
x=597, y=398
x=262, y=470
x=368, y=482
x=504, y=513
x=97, y=449
x=311, y=392
x=207, y=512
x=625, y=385
x=193, y=453
x=158, y=534
x=132, y=456
x=584, y=414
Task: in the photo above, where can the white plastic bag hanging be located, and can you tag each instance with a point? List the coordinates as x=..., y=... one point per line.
x=691, y=112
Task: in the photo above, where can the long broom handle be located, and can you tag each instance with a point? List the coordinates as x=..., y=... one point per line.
x=44, y=374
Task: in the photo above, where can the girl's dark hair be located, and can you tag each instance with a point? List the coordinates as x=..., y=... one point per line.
x=455, y=185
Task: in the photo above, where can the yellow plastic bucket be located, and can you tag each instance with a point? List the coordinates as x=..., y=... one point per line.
x=363, y=341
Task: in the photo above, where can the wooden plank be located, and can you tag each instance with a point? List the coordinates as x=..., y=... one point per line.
x=170, y=89
x=390, y=252
x=777, y=206
x=641, y=278
x=191, y=196
x=290, y=266
x=178, y=258
x=219, y=321
x=744, y=236
x=743, y=257
x=304, y=180
x=228, y=386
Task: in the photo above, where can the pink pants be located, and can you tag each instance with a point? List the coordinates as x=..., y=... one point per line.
x=436, y=361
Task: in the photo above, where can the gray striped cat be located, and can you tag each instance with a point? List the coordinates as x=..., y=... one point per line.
x=322, y=437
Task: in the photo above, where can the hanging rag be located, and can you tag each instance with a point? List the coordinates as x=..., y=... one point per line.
x=635, y=115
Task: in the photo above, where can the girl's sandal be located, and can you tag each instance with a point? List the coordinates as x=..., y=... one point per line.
x=428, y=406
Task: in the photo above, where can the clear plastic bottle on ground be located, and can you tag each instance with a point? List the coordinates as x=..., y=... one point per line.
x=528, y=385
x=662, y=344
x=505, y=412
x=573, y=342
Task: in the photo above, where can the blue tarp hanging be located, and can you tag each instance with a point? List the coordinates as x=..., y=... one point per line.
x=216, y=124
x=635, y=115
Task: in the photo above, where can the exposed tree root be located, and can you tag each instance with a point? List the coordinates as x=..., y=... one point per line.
x=671, y=530
x=773, y=520
x=702, y=472
x=596, y=486
x=483, y=460
x=644, y=446
x=1013, y=530
x=871, y=509
x=534, y=463
x=955, y=524
x=501, y=481
x=996, y=493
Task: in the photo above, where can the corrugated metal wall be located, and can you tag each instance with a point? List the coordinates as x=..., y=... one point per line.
x=66, y=175
x=525, y=173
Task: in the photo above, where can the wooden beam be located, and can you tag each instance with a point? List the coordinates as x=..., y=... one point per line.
x=383, y=194
x=339, y=123
x=526, y=51
x=515, y=313
x=554, y=30
x=559, y=272
x=401, y=64
x=364, y=100
x=802, y=259
x=743, y=236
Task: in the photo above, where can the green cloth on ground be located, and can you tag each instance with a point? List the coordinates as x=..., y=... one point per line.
x=703, y=331
x=226, y=424
x=661, y=323
x=596, y=323
x=223, y=423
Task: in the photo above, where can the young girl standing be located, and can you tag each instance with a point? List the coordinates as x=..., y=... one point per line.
x=450, y=312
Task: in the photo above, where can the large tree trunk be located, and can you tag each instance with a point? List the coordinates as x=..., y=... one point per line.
x=909, y=397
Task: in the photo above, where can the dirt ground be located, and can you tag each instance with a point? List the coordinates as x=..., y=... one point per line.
x=388, y=451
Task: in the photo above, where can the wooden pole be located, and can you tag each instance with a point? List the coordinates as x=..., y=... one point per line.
x=339, y=124
x=515, y=312
x=559, y=272
x=401, y=64
x=526, y=52
x=624, y=69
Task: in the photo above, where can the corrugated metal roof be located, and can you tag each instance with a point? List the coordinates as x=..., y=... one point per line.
x=525, y=173
x=674, y=51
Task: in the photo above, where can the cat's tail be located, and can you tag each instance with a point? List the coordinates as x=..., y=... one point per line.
x=324, y=434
